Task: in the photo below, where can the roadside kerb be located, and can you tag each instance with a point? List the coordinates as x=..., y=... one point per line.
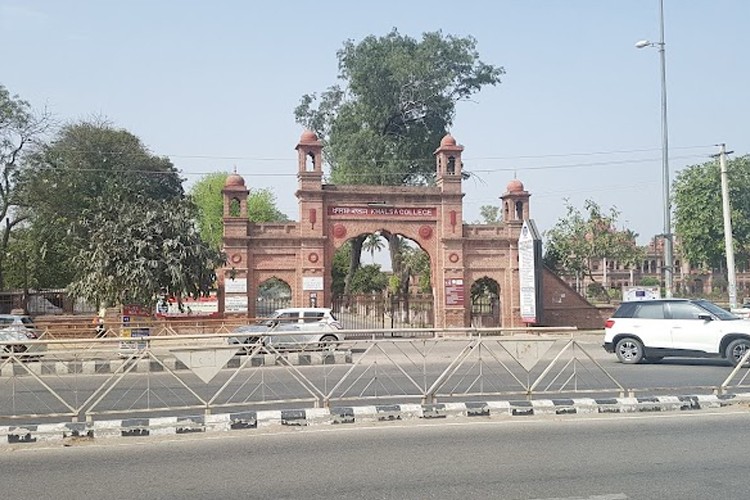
x=68, y=433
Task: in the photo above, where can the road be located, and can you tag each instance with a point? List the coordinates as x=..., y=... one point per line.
x=667, y=456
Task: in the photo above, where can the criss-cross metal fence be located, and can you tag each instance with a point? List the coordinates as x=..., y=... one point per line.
x=90, y=379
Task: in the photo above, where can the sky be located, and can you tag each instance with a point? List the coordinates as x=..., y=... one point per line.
x=213, y=85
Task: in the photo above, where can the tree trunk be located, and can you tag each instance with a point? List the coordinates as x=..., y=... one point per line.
x=353, y=262
x=394, y=249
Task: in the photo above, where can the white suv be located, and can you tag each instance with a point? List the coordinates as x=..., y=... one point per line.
x=651, y=330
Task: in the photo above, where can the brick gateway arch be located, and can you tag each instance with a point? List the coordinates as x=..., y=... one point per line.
x=301, y=253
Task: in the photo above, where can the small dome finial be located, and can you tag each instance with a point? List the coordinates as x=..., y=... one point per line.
x=515, y=186
x=234, y=180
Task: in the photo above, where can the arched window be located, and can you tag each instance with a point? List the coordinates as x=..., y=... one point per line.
x=310, y=163
x=234, y=207
x=451, y=165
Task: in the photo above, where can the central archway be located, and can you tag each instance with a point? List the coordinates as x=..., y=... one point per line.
x=393, y=292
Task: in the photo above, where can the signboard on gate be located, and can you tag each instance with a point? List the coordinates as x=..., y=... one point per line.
x=529, y=271
x=454, y=292
x=380, y=211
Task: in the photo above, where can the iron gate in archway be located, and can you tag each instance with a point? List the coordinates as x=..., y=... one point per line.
x=358, y=312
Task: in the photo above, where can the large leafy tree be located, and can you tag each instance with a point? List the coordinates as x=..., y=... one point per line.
x=206, y=194
x=578, y=240
x=396, y=101
x=85, y=164
x=138, y=248
x=20, y=128
x=698, y=212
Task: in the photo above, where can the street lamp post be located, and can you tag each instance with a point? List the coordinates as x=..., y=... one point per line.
x=668, y=253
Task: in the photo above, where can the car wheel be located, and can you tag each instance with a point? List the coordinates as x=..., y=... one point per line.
x=629, y=350
x=328, y=342
x=736, y=350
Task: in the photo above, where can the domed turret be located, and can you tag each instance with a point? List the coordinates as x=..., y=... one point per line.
x=234, y=180
x=448, y=140
x=308, y=137
x=515, y=186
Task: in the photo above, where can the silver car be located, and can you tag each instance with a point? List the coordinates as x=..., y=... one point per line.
x=320, y=335
x=15, y=333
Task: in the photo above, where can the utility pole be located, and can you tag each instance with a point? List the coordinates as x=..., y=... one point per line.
x=728, y=239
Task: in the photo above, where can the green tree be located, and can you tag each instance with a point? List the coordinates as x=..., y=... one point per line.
x=32, y=259
x=369, y=279
x=20, y=128
x=85, y=166
x=261, y=207
x=206, y=194
x=649, y=281
x=698, y=212
x=373, y=243
x=340, y=268
x=397, y=100
x=490, y=214
x=139, y=248
x=579, y=240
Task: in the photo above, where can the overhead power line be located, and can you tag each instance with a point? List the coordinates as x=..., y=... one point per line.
x=387, y=174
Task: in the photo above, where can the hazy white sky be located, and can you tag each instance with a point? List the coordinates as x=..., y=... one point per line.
x=213, y=85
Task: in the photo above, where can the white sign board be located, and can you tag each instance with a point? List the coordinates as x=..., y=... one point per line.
x=630, y=293
x=203, y=306
x=312, y=283
x=236, y=285
x=235, y=303
x=527, y=274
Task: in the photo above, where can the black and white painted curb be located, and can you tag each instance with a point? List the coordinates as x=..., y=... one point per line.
x=106, y=366
x=67, y=433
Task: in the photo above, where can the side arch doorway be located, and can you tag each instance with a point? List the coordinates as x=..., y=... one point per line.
x=485, y=303
x=272, y=294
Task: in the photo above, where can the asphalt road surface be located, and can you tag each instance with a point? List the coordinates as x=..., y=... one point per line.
x=678, y=455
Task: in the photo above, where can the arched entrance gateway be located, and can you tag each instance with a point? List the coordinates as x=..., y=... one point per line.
x=463, y=257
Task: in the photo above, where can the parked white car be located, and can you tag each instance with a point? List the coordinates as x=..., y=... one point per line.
x=651, y=330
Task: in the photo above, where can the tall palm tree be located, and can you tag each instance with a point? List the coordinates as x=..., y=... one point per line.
x=373, y=243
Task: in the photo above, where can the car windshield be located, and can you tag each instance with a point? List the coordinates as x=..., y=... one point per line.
x=717, y=311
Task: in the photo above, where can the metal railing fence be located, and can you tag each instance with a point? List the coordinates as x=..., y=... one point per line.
x=90, y=379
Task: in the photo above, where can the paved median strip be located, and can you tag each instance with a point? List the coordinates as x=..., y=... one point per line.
x=68, y=433
x=105, y=366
